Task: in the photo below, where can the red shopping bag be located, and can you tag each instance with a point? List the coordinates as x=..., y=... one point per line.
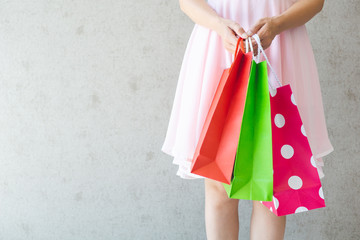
x=296, y=182
x=297, y=185
x=216, y=149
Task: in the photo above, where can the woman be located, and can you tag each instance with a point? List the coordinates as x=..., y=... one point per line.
x=219, y=23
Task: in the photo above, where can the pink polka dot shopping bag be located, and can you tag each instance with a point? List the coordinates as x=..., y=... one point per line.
x=296, y=183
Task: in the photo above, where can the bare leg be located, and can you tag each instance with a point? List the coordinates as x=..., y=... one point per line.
x=221, y=213
x=265, y=224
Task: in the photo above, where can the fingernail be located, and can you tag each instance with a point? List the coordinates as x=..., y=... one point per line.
x=250, y=33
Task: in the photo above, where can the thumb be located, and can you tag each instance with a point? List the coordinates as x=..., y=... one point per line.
x=239, y=31
x=255, y=28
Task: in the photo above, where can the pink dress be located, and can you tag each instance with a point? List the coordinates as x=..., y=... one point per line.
x=205, y=58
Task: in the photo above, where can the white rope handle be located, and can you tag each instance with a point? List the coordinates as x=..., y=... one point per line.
x=260, y=49
x=251, y=46
x=247, y=46
x=257, y=58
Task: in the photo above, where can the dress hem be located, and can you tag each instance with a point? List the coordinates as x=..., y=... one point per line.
x=182, y=173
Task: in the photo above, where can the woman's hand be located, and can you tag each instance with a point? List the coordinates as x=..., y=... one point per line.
x=266, y=29
x=229, y=32
x=296, y=15
x=201, y=13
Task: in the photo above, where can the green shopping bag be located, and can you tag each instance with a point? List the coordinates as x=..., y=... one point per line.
x=253, y=170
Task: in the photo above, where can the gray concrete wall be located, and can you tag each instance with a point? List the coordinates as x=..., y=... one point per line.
x=86, y=89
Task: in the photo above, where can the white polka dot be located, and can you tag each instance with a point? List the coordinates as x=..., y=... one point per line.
x=301, y=209
x=293, y=99
x=260, y=201
x=279, y=120
x=295, y=182
x=321, y=193
x=287, y=151
x=271, y=209
x=273, y=92
x=276, y=202
x=303, y=130
x=313, y=161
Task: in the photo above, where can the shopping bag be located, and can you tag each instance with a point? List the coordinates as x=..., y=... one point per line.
x=297, y=186
x=252, y=174
x=215, y=151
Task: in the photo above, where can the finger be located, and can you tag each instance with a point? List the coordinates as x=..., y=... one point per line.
x=239, y=31
x=261, y=33
x=232, y=48
x=255, y=47
x=229, y=47
x=264, y=38
x=256, y=27
x=255, y=51
x=231, y=38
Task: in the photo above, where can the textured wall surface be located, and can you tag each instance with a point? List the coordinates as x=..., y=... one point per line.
x=86, y=89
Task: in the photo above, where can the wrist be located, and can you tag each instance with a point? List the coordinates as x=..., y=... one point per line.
x=218, y=24
x=279, y=24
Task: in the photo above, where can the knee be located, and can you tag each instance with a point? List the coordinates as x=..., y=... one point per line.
x=216, y=195
x=214, y=186
x=258, y=206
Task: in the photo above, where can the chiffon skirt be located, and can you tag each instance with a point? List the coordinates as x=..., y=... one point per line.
x=205, y=59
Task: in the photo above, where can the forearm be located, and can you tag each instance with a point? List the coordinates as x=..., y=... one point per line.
x=201, y=13
x=298, y=14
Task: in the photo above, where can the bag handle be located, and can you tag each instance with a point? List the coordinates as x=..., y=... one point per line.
x=239, y=47
x=257, y=59
x=241, y=43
